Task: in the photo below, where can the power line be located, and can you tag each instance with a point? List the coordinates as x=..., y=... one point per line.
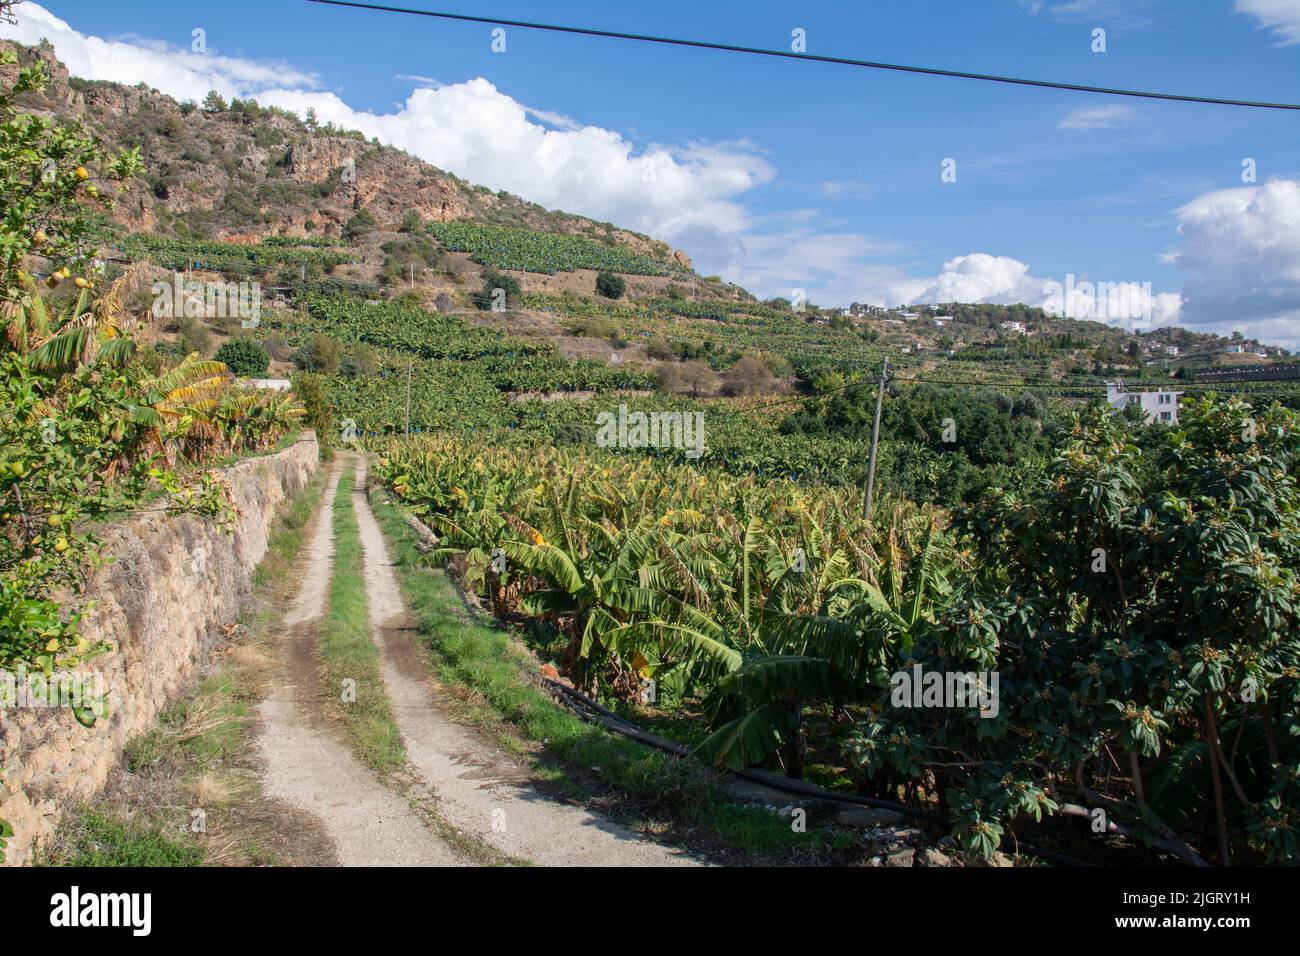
x=790, y=55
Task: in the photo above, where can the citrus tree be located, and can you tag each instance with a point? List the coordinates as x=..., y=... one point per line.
x=52, y=175
x=86, y=431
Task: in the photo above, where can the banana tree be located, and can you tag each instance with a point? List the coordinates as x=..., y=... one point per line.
x=614, y=592
x=846, y=645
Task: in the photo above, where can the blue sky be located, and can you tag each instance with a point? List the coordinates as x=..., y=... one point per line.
x=784, y=175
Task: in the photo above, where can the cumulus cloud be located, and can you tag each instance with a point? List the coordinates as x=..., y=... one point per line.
x=182, y=73
x=1242, y=248
x=1003, y=280
x=469, y=128
x=482, y=134
x=688, y=195
x=1280, y=16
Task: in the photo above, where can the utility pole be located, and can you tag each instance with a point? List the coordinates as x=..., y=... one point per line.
x=409, y=362
x=875, y=438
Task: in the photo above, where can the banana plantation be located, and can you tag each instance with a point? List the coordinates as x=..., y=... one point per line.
x=547, y=253
x=1138, y=611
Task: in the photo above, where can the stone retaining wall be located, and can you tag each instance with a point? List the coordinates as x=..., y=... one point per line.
x=174, y=588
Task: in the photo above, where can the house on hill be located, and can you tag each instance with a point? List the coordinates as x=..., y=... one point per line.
x=1160, y=405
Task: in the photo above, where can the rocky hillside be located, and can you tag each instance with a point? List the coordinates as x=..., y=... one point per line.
x=238, y=171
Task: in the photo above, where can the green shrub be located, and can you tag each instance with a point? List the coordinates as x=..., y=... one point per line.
x=244, y=357
x=611, y=286
x=313, y=392
x=492, y=280
x=320, y=354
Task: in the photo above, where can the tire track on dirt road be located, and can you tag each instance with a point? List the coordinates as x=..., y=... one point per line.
x=305, y=764
x=481, y=791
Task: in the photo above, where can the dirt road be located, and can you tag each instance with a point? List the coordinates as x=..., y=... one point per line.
x=480, y=789
x=482, y=794
x=306, y=765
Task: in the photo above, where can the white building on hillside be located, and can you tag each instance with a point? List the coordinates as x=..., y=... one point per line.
x=1159, y=406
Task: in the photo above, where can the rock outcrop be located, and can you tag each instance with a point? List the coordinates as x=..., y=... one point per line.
x=248, y=171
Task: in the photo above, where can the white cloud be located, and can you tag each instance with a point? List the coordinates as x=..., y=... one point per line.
x=183, y=74
x=1242, y=248
x=846, y=189
x=417, y=78
x=833, y=268
x=1125, y=13
x=1097, y=117
x=553, y=119
x=977, y=277
x=470, y=128
x=1280, y=16
x=1002, y=280
x=475, y=131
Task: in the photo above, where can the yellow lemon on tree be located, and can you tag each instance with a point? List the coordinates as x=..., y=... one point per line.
x=54, y=521
x=80, y=283
x=81, y=173
x=61, y=545
x=18, y=469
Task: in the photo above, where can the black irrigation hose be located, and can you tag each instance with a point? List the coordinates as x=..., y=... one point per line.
x=591, y=711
